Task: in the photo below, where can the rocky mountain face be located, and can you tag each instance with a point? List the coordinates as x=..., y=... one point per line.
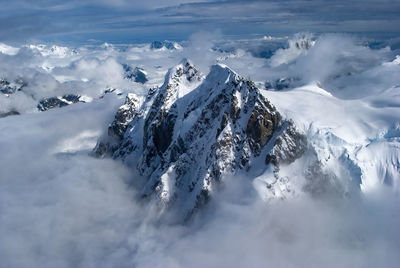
x=189, y=135
x=7, y=87
x=44, y=104
x=170, y=45
x=58, y=102
x=135, y=74
x=282, y=83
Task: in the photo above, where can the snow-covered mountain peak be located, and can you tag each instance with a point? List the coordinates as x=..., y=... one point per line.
x=186, y=144
x=222, y=73
x=180, y=80
x=184, y=70
x=165, y=45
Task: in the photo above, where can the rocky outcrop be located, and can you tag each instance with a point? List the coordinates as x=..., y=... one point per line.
x=282, y=83
x=289, y=146
x=58, y=102
x=135, y=74
x=157, y=45
x=193, y=132
x=12, y=112
x=8, y=88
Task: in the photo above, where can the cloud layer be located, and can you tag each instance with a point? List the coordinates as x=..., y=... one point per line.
x=59, y=207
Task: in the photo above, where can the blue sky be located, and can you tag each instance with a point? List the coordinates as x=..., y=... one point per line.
x=125, y=21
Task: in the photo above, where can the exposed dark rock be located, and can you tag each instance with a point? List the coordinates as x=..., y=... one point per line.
x=304, y=43
x=7, y=87
x=156, y=45
x=288, y=147
x=72, y=98
x=271, y=159
x=137, y=74
x=58, y=102
x=164, y=44
x=126, y=114
x=50, y=103
x=111, y=90
x=262, y=123
x=162, y=131
x=282, y=83
x=12, y=112
x=140, y=75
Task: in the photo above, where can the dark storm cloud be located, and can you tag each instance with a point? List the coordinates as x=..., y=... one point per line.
x=125, y=20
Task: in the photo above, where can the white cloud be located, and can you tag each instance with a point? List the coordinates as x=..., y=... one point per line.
x=61, y=207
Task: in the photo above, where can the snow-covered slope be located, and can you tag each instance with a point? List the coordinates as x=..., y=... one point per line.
x=186, y=137
x=351, y=141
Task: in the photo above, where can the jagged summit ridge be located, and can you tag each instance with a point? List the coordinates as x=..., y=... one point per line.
x=169, y=45
x=191, y=132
